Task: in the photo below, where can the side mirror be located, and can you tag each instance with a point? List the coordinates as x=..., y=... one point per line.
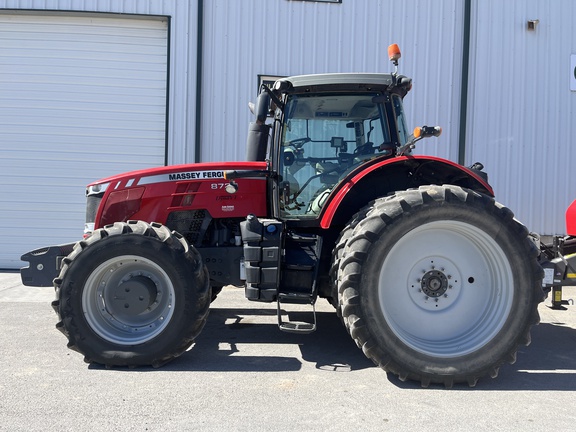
x=262, y=107
x=427, y=131
x=417, y=135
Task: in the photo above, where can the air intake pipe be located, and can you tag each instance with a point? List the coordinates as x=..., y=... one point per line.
x=259, y=131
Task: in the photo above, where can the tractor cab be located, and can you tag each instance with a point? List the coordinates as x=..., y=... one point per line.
x=325, y=136
x=326, y=126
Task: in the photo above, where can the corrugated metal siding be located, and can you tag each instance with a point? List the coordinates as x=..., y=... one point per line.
x=521, y=110
x=252, y=37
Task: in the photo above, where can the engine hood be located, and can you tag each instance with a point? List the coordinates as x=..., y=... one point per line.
x=197, y=171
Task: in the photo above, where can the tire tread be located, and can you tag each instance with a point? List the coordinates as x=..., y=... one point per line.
x=64, y=309
x=354, y=246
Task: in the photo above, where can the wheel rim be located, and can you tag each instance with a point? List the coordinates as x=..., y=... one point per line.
x=446, y=288
x=128, y=300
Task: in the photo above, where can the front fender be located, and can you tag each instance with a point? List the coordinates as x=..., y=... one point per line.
x=400, y=173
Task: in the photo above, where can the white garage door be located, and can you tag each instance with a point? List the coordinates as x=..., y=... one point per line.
x=81, y=97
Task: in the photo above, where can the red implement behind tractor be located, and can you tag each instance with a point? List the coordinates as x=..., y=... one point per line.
x=559, y=260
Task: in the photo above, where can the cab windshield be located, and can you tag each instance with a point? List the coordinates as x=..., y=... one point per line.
x=324, y=137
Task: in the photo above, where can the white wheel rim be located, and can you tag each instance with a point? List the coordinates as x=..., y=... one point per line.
x=446, y=288
x=128, y=300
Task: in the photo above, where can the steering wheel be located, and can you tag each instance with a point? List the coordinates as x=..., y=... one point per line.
x=299, y=142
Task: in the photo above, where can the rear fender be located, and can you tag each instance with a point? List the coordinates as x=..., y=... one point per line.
x=384, y=177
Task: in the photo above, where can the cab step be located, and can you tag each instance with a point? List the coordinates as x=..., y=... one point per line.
x=296, y=326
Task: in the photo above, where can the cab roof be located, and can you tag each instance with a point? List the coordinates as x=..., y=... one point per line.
x=379, y=82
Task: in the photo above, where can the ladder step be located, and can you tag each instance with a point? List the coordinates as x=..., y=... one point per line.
x=291, y=327
x=295, y=298
x=299, y=267
x=296, y=326
x=303, y=239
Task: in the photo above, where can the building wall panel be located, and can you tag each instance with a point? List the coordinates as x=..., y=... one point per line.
x=521, y=110
x=252, y=37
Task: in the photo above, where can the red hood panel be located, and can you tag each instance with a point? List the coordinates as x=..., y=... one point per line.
x=154, y=194
x=197, y=171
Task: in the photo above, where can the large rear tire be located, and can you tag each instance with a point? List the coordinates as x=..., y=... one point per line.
x=132, y=294
x=337, y=255
x=439, y=285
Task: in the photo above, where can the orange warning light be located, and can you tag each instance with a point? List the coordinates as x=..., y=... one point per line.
x=394, y=53
x=417, y=132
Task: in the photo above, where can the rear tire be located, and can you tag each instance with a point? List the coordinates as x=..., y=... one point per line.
x=337, y=254
x=132, y=294
x=439, y=285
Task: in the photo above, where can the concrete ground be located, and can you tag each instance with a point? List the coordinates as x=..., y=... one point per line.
x=243, y=374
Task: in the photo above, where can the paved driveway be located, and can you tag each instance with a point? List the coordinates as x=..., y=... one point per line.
x=243, y=374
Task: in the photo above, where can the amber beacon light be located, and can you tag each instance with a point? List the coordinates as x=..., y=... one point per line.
x=394, y=53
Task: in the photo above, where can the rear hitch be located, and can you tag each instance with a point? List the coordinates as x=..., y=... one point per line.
x=559, y=263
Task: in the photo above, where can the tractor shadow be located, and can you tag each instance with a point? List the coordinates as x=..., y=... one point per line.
x=547, y=364
x=249, y=340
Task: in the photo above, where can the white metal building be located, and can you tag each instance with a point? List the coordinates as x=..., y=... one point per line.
x=91, y=88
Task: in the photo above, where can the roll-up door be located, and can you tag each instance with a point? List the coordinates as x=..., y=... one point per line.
x=81, y=97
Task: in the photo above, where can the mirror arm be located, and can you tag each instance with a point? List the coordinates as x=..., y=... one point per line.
x=273, y=96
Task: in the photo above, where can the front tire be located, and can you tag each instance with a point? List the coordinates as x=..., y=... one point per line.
x=132, y=294
x=439, y=285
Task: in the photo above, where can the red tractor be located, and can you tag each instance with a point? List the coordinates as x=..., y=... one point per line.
x=434, y=280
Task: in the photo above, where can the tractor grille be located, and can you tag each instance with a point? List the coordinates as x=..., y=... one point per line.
x=92, y=203
x=189, y=223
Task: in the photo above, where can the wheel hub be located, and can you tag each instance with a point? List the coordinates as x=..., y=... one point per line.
x=128, y=299
x=434, y=283
x=134, y=295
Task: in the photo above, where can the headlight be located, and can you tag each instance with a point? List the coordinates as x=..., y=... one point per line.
x=96, y=189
